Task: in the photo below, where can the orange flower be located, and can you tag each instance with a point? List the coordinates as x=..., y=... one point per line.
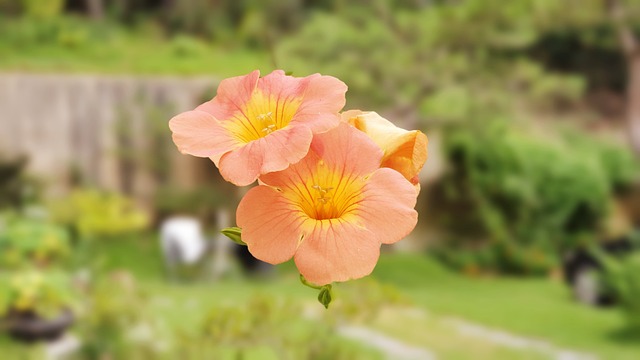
x=331, y=211
x=404, y=151
x=259, y=125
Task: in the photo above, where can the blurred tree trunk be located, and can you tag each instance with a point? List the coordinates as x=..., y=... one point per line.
x=633, y=99
x=168, y=5
x=95, y=9
x=631, y=49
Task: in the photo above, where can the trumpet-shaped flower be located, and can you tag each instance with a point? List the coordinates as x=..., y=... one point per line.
x=404, y=151
x=331, y=211
x=259, y=125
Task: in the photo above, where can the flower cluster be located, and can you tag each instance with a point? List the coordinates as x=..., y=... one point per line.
x=332, y=187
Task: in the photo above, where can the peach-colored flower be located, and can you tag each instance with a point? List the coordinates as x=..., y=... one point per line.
x=258, y=125
x=404, y=151
x=331, y=211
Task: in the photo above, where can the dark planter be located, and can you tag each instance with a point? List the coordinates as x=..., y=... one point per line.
x=581, y=268
x=29, y=327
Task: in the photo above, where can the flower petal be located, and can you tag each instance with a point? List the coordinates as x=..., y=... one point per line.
x=271, y=227
x=409, y=155
x=348, y=150
x=283, y=87
x=323, y=99
x=274, y=152
x=200, y=134
x=336, y=250
x=387, y=206
x=233, y=93
x=404, y=151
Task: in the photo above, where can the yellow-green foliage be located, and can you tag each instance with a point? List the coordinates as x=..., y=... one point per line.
x=265, y=327
x=39, y=292
x=92, y=213
x=365, y=299
x=265, y=323
x=42, y=9
x=24, y=241
x=119, y=326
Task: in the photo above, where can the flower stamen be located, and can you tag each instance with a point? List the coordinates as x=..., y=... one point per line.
x=324, y=193
x=267, y=122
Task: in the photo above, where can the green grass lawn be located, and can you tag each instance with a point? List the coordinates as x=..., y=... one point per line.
x=540, y=308
x=76, y=46
x=137, y=57
x=536, y=308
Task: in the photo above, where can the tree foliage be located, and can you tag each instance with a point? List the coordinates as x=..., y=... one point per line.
x=522, y=198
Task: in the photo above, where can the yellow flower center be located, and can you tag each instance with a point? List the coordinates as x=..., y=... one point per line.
x=262, y=115
x=327, y=194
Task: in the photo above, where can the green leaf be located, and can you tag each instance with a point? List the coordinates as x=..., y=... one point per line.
x=235, y=234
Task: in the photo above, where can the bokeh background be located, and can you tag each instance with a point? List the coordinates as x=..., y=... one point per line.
x=529, y=203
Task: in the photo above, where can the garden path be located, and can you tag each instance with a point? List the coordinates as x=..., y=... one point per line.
x=392, y=348
x=514, y=341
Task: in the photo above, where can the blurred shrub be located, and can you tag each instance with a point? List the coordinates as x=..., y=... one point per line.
x=363, y=300
x=619, y=165
x=119, y=327
x=185, y=46
x=24, y=241
x=522, y=199
x=122, y=327
x=447, y=61
x=622, y=276
x=201, y=17
x=265, y=329
x=252, y=22
x=36, y=292
x=63, y=32
x=94, y=214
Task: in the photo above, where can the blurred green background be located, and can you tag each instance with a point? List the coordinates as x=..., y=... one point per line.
x=532, y=109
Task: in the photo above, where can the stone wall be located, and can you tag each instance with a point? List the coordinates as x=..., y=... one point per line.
x=68, y=123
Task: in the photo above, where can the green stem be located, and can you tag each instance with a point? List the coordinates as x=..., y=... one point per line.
x=306, y=283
